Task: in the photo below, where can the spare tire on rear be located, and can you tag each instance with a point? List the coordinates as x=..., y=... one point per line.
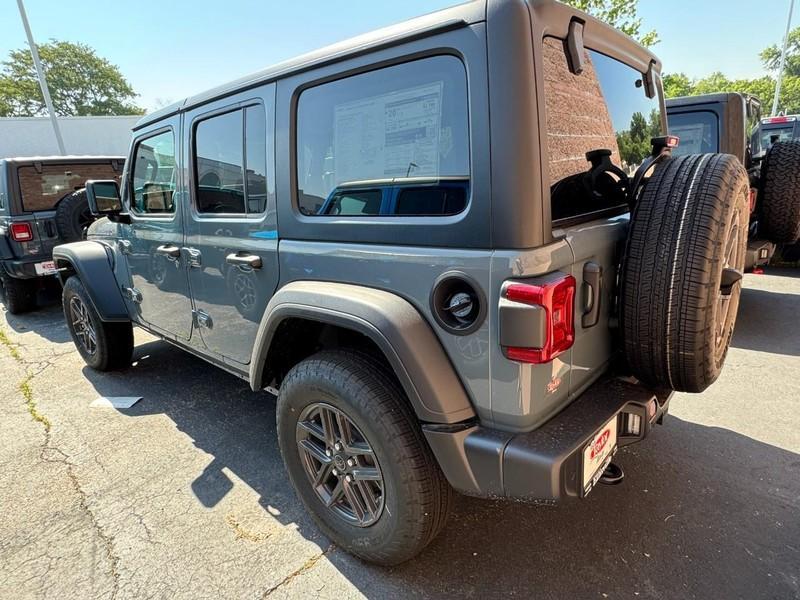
x=779, y=220
x=73, y=217
x=682, y=270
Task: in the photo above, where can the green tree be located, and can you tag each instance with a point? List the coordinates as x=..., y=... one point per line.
x=80, y=83
x=677, y=85
x=771, y=56
x=622, y=14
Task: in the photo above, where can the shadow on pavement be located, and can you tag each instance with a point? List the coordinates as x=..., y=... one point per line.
x=704, y=512
x=47, y=320
x=768, y=322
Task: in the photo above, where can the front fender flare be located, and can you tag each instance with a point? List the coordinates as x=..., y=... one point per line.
x=91, y=261
x=397, y=328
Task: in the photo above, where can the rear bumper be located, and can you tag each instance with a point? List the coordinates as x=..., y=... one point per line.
x=23, y=269
x=545, y=464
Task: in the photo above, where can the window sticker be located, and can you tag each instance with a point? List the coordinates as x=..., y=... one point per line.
x=397, y=134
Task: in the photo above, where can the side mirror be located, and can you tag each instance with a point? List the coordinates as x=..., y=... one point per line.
x=103, y=197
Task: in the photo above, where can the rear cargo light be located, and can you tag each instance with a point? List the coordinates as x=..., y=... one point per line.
x=21, y=232
x=556, y=298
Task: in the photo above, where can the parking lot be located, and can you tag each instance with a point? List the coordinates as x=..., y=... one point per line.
x=184, y=494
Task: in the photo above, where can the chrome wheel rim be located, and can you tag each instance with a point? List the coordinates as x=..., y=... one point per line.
x=82, y=325
x=725, y=307
x=340, y=464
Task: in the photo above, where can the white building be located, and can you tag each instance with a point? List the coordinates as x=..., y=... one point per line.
x=98, y=136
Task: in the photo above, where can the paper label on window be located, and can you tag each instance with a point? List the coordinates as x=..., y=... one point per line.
x=391, y=135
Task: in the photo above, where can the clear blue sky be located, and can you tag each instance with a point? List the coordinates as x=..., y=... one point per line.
x=169, y=49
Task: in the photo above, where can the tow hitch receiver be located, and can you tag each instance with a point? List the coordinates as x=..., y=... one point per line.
x=612, y=475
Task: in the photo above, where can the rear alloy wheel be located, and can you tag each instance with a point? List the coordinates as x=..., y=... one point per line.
x=357, y=457
x=340, y=464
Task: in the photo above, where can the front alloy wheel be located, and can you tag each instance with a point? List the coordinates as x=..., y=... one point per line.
x=82, y=325
x=340, y=464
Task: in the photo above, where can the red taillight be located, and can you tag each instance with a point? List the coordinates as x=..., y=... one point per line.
x=556, y=298
x=21, y=232
x=752, y=199
x=673, y=141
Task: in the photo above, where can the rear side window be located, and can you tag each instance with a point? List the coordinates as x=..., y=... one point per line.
x=697, y=130
x=42, y=186
x=153, y=178
x=230, y=159
x=431, y=201
x=367, y=202
x=385, y=128
x=603, y=108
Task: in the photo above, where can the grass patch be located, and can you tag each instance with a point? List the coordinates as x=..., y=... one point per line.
x=30, y=402
x=12, y=347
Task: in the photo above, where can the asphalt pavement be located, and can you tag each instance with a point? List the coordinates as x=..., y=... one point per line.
x=184, y=495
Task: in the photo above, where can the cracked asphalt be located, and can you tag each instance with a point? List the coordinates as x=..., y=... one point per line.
x=184, y=495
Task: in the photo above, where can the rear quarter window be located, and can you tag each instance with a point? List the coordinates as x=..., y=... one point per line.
x=387, y=128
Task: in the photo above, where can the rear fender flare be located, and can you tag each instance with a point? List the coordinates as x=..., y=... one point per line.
x=392, y=323
x=91, y=261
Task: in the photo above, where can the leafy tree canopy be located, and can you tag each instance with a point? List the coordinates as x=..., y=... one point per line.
x=80, y=83
x=622, y=14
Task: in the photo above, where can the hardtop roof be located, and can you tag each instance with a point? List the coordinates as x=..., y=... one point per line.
x=460, y=15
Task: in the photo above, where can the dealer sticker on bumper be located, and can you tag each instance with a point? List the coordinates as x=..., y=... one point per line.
x=598, y=453
x=46, y=268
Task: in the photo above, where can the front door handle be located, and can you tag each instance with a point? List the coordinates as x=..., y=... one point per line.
x=169, y=251
x=244, y=260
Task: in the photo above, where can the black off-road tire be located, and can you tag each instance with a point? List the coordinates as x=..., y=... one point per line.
x=689, y=225
x=73, y=217
x=113, y=345
x=19, y=295
x=417, y=497
x=780, y=190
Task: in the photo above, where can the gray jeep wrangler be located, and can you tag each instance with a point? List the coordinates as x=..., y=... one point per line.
x=42, y=204
x=445, y=246
x=731, y=123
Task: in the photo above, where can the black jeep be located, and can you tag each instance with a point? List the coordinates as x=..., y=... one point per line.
x=42, y=204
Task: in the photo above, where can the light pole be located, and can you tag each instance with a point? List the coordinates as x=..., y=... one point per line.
x=42, y=81
x=783, y=61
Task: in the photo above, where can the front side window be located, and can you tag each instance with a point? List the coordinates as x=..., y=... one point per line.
x=698, y=132
x=230, y=160
x=603, y=108
x=154, y=175
x=386, y=129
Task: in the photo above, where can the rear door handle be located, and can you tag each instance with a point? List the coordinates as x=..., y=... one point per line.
x=244, y=260
x=169, y=251
x=593, y=284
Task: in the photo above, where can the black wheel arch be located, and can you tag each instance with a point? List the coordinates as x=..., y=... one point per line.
x=390, y=323
x=92, y=263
